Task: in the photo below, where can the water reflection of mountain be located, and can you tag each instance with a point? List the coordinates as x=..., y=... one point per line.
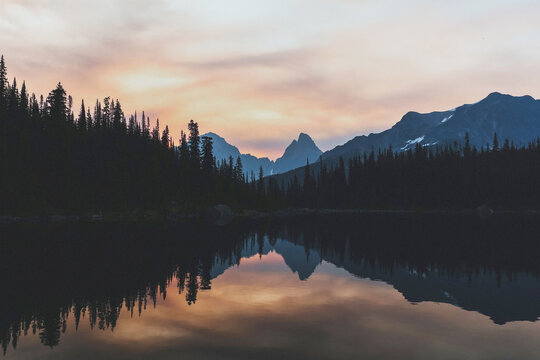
x=300, y=260
x=502, y=298
x=486, y=266
x=94, y=272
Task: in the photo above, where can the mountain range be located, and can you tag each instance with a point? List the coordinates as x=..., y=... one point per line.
x=295, y=155
x=514, y=118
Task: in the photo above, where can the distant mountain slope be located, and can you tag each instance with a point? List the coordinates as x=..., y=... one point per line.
x=514, y=118
x=223, y=150
x=295, y=155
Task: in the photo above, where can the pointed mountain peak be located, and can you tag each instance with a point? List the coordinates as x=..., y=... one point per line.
x=305, y=138
x=304, y=142
x=296, y=153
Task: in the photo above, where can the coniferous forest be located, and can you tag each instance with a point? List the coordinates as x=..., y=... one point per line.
x=58, y=157
x=450, y=177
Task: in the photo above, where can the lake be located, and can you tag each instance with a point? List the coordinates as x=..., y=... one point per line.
x=380, y=286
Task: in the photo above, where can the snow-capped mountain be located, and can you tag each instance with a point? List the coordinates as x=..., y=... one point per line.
x=295, y=155
x=514, y=118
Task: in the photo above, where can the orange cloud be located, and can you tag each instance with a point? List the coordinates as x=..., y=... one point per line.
x=259, y=72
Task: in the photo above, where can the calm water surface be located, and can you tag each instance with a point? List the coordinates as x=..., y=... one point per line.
x=373, y=287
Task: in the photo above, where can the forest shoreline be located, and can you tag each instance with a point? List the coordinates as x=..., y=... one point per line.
x=138, y=216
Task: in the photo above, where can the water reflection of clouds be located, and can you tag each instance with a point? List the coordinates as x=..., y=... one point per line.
x=260, y=310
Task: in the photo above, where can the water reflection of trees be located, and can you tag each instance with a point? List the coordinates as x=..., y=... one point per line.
x=94, y=271
x=454, y=245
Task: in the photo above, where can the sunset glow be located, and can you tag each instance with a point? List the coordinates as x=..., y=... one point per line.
x=260, y=72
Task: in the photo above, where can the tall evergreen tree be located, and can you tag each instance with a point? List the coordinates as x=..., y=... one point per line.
x=57, y=104
x=184, y=146
x=106, y=112
x=194, y=144
x=165, y=137
x=208, y=161
x=13, y=100
x=467, y=148
x=97, y=115
x=89, y=120
x=238, y=170
x=117, y=116
x=23, y=99
x=3, y=84
x=81, y=121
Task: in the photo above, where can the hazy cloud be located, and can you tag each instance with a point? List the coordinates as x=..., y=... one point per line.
x=260, y=72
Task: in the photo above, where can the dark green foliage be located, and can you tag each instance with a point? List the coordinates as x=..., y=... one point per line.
x=450, y=177
x=194, y=144
x=96, y=272
x=52, y=162
x=3, y=84
x=208, y=163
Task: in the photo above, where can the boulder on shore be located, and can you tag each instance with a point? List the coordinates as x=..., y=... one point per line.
x=218, y=215
x=483, y=211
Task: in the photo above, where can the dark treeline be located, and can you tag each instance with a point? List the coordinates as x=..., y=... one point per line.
x=455, y=244
x=450, y=177
x=93, y=272
x=488, y=265
x=61, y=158
x=58, y=157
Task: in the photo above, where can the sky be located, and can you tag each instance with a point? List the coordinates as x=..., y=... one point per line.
x=260, y=72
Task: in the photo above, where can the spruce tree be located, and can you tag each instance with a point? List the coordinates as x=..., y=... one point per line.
x=81, y=121
x=13, y=100
x=208, y=161
x=155, y=132
x=143, y=124
x=238, y=170
x=184, y=147
x=97, y=114
x=23, y=99
x=3, y=84
x=89, y=122
x=194, y=144
x=106, y=112
x=467, y=148
x=260, y=184
x=495, y=142
x=117, y=116
x=57, y=104
x=165, y=137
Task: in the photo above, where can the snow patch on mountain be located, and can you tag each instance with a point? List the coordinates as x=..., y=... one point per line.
x=412, y=142
x=446, y=119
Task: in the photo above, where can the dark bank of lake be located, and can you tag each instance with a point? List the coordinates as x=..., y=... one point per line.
x=327, y=286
